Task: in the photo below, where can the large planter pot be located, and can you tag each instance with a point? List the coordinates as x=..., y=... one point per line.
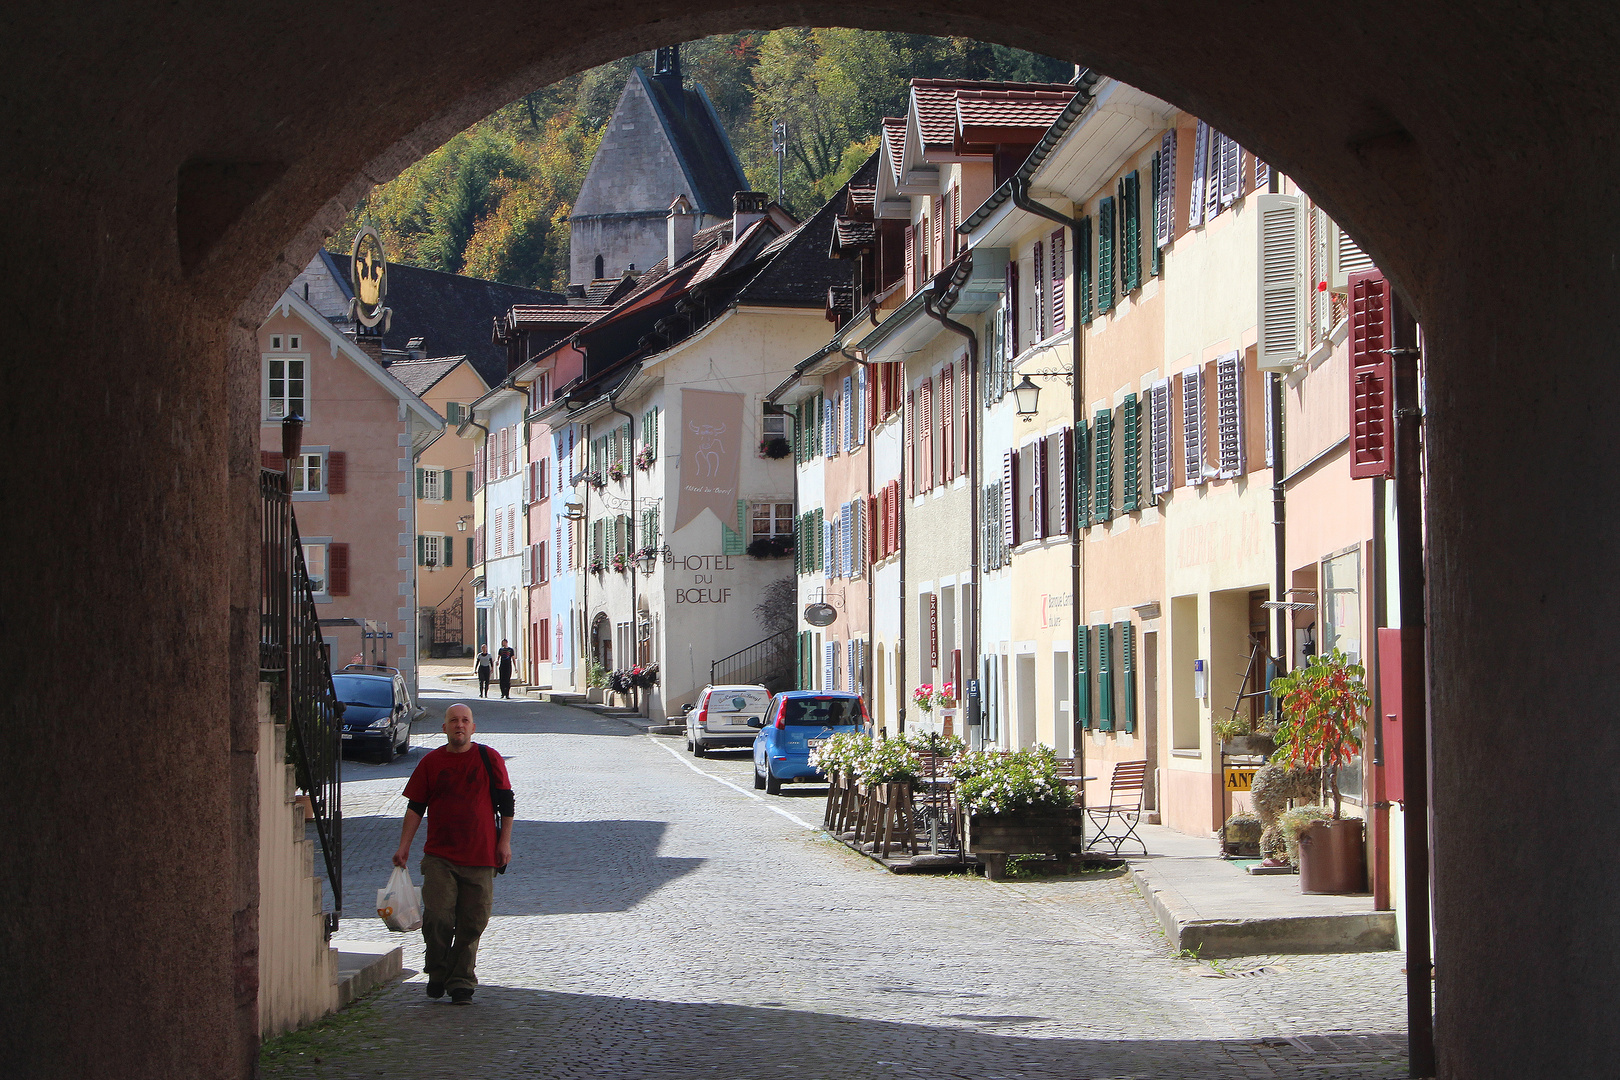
x=1249, y=746
x=992, y=837
x=595, y=694
x=1332, y=857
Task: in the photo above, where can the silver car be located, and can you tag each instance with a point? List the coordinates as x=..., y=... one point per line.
x=726, y=716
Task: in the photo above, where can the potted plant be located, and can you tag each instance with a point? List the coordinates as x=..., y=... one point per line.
x=596, y=680
x=620, y=563
x=771, y=547
x=1017, y=804
x=1240, y=738
x=1322, y=706
x=615, y=472
x=923, y=697
x=775, y=447
x=645, y=459
x=596, y=480
x=595, y=566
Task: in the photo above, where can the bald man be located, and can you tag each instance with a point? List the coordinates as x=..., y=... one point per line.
x=460, y=787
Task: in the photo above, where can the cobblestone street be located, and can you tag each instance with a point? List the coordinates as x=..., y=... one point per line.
x=663, y=920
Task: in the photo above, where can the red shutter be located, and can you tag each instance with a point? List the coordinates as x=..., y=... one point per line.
x=1372, y=433
x=960, y=449
x=947, y=414
x=1012, y=304
x=1037, y=503
x=956, y=219
x=337, y=472
x=927, y=428
x=911, y=439
x=478, y=467
x=911, y=259
x=873, y=551
x=337, y=569
x=269, y=459
x=894, y=516
x=1058, y=308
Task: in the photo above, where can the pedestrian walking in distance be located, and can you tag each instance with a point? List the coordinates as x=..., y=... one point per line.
x=507, y=657
x=485, y=664
x=460, y=787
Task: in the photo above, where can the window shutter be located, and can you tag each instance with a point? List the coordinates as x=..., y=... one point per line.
x=894, y=516
x=1159, y=435
x=1009, y=519
x=1192, y=425
x=829, y=430
x=1105, y=255
x=863, y=398
x=1082, y=668
x=1212, y=181
x=1012, y=308
x=829, y=547
x=1131, y=231
x=421, y=484
x=1064, y=447
x=1037, y=502
x=1229, y=414
x=1082, y=474
x=849, y=665
x=1200, y=176
x=528, y=484
x=939, y=228
x=1164, y=192
x=1231, y=171
x=1059, y=301
x=1372, y=435
x=798, y=544
x=337, y=569
x=1127, y=670
x=846, y=409
x=528, y=565
x=947, y=417
x=421, y=550
x=959, y=447
x=926, y=405
x=1348, y=258
x=448, y=545
x=1281, y=329
x=1105, y=677
x=911, y=259
x=1262, y=175
x=910, y=461
x=1103, y=485
x=337, y=473
x=1130, y=485
x=829, y=674
x=1082, y=270
x=1037, y=274
x=736, y=542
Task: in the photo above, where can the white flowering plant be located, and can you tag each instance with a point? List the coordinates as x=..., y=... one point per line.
x=839, y=752
x=869, y=760
x=1026, y=780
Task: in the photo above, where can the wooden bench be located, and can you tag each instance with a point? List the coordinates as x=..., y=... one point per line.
x=1123, y=809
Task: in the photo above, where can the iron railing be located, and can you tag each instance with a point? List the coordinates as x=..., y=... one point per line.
x=306, y=700
x=767, y=662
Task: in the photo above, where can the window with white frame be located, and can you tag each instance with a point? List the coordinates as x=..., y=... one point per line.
x=315, y=567
x=285, y=386
x=309, y=474
x=771, y=519
x=432, y=484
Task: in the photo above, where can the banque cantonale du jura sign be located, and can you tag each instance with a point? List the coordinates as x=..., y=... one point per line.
x=711, y=438
x=703, y=589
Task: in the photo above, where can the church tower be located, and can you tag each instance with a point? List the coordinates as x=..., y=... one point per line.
x=663, y=142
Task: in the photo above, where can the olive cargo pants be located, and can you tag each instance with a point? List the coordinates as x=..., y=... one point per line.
x=455, y=909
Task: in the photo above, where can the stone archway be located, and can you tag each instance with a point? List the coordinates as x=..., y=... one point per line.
x=167, y=172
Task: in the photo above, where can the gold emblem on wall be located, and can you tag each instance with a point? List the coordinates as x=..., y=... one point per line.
x=368, y=276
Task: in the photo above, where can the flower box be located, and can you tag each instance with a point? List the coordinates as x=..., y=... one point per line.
x=1058, y=834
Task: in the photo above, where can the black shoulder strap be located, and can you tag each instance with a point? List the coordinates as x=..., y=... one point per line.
x=489, y=770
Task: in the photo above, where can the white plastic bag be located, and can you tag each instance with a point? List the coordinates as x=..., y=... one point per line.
x=400, y=903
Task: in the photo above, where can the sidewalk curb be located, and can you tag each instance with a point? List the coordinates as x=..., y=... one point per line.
x=1373, y=931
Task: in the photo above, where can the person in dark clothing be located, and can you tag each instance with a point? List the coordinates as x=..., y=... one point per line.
x=461, y=787
x=506, y=658
x=485, y=665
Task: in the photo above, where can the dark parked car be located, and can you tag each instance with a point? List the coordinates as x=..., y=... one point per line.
x=798, y=720
x=377, y=710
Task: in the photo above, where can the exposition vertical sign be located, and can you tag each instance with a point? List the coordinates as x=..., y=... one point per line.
x=711, y=441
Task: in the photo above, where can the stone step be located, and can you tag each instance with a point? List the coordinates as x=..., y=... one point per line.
x=365, y=965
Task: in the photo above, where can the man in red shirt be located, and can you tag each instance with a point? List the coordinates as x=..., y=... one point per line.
x=460, y=787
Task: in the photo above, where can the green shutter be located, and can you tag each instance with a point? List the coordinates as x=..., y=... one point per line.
x=1105, y=255
x=1127, y=664
x=798, y=435
x=421, y=485
x=1130, y=454
x=448, y=543
x=732, y=541
x=1082, y=669
x=798, y=544
x=818, y=538
x=1103, y=485
x=1105, y=678
x=1082, y=264
x=469, y=485
x=470, y=551
x=1082, y=474
x=421, y=547
x=1130, y=228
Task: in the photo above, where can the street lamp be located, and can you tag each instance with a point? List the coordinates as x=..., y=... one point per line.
x=461, y=523
x=1027, y=395
x=292, y=439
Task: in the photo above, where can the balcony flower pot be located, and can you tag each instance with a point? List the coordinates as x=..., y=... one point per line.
x=1057, y=834
x=1332, y=857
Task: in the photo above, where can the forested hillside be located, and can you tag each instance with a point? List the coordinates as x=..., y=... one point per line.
x=493, y=202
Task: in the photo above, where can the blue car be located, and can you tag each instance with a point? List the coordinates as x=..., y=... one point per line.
x=797, y=719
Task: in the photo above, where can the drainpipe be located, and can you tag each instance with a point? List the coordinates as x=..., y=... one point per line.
x=1021, y=199
x=630, y=532
x=1279, y=516
x=969, y=442
x=481, y=485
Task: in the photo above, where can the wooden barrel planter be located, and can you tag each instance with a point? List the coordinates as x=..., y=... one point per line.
x=1056, y=834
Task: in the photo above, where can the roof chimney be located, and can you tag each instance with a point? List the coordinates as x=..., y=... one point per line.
x=682, y=224
x=667, y=65
x=747, y=208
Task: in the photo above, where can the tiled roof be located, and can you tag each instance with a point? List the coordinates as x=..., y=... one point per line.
x=934, y=101
x=798, y=272
x=863, y=198
x=453, y=313
x=894, y=142
x=1011, y=108
x=420, y=376
x=848, y=233
x=1085, y=89
x=523, y=315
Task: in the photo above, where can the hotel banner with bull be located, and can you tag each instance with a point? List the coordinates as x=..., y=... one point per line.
x=711, y=444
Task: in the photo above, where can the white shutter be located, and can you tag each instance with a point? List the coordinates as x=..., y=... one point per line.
x=1348, y=258
x=528, y=485
x=1212, y=181
x=1262, y=175
x=829, y=674
x=1195, y=194
x=849, y=665
x=528, y=565
x=1065, y=463
x=1165, y=197
x=1037, y=488
x=1281, y=330
x=1159, y=435
x=1231, y=171
x=1192, y=424
x=1271, y=451
x=859, y=538
x=1229, y=414
x=846, y=405
x=1007, y=499
x=827, y=432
